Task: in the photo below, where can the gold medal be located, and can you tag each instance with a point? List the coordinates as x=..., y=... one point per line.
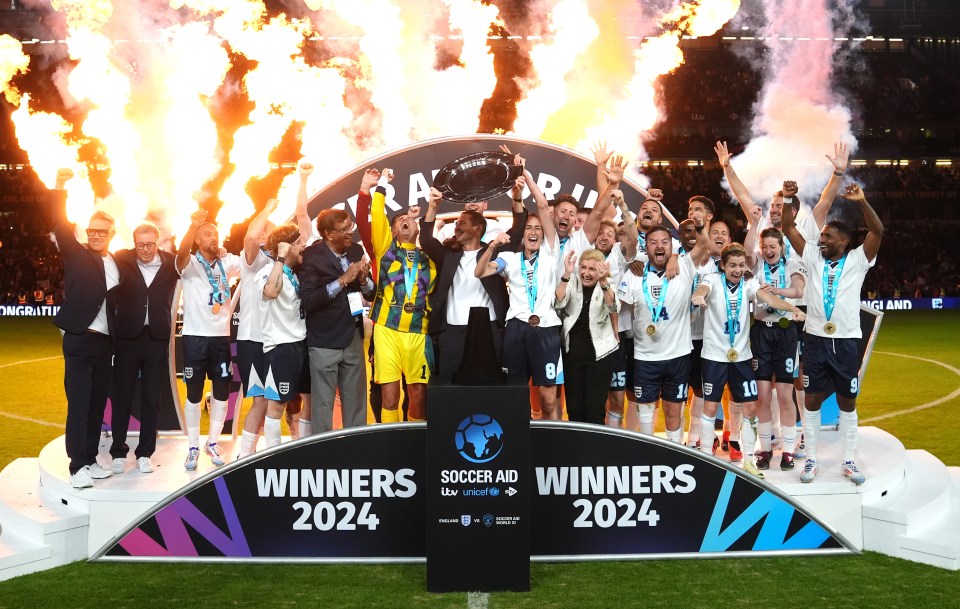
x=651, y=330
x=215, y=308
x=783, y=322
x=533, y=320
x=830, y=328
x=732, y=355
x=408, y=307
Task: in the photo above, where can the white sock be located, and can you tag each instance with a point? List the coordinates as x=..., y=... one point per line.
x=191, y=412
x=632, y=421
x=696, y=409
x=271, y=431
x=675, y=435
x=218, y=414
x=748, y=433
x=305, y=426
x=645, y=414
x=764, y=431
x=811, y=431
x=248, y=443
x=789, y=437
x=736, y=420
x=848, y=434
x=706, y=433
x=614, y=419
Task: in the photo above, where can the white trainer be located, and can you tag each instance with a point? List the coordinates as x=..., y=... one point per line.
x=144, y=465
x=193, y=457
x=118, y=465
x=213, y=451
x=81, y=479
x=852, y=473
x=810, y=471
x=97, y=472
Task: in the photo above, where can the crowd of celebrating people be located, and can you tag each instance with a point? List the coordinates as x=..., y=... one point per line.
x=605, y=313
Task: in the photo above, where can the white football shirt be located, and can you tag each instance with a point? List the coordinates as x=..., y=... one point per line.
x=198, y=293
x=716, y=341
x=546, y=279
x=672, y=337
x=249, y=326
x=846, y=311
x=280, y=318
x=781, y=276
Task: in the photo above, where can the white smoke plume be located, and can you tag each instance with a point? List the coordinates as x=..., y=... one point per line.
x=800, y=114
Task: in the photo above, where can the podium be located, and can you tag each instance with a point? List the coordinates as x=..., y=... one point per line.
x=479, y=488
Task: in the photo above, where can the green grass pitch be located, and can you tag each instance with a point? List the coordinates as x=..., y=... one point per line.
x=911, y=389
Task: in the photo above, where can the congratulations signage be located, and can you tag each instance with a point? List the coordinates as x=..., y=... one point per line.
x=363, y=495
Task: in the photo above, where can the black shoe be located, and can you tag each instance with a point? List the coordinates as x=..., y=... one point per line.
x=786, y=462
x=763, y=459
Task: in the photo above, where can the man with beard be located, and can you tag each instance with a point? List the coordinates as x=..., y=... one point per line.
x=401, y=311
x=661, y=330
x=205, y=278
x=831, y=346
x=458, y=289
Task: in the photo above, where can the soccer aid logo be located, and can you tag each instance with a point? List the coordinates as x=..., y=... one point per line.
x=479, y=438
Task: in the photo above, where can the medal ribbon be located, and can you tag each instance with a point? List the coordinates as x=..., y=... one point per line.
x=782, y=281
x=293, y=279
x=655, y=312
x=411, y=272
x=733, y=314
x=530, y=279
x=218, y=296
x=831, y=282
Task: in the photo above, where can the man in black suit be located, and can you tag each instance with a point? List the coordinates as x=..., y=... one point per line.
x=86, y=319
x=333, y=274
x=142, y=340
x=458, y=290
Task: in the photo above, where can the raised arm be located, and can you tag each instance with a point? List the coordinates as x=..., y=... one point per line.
x=485, y=265
x=789, y=225
x=871, y=243
x=750, y=241
x=197, y=218
x=543, y=207
x=368, y=181
x=601, y=155
x=839, y=160
x=739, y=190
x=379, y=223
x=301, y=215
x=251, y=240
x=631, y=243
x=560, y=293
x=614, y=175
x=430, y=244
x=701, y=250
x=63, y=230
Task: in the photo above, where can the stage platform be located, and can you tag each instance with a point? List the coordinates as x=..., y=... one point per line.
x=908, y=507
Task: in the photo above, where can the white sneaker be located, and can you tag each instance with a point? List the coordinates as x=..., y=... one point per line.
x=213, y=451
x=118, y=465
x=810, y=471
x=144, y=465
x=97, y=472
x=81, y=479
x=193, y=457
x=852, y=473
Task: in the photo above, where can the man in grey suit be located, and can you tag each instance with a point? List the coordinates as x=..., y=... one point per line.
x=333, y=275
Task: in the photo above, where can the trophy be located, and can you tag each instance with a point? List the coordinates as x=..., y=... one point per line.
x=477, y=177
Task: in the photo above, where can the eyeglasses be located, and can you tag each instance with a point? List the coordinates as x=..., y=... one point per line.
x=98, y=232
x=146, y=246
x=346, y=230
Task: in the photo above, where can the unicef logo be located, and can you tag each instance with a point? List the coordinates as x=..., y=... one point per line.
x=479, y=438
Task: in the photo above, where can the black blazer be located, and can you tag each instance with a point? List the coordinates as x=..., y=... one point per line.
x=84, y=281
x=448, y=260
x=329, y=322
x=135, y=298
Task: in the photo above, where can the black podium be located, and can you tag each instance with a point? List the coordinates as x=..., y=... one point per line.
x=478, y=488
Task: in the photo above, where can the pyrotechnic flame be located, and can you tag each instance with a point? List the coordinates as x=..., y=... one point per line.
x=143, y=76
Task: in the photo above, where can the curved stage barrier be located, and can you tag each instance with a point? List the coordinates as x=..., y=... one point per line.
x=362, y=496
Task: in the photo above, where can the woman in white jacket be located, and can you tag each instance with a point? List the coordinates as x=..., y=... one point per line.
x=589, y=338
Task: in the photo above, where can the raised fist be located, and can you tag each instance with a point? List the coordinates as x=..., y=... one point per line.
x=198, y=217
